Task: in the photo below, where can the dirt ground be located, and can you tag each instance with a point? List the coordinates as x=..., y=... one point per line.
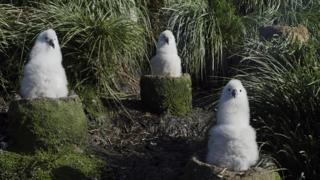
x=150, y=146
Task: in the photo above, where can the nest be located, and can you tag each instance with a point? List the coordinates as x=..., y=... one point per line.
x=46, y=123
x=197, y=169
x=166, y=94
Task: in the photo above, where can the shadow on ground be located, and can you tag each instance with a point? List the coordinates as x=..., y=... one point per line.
x=66, y=172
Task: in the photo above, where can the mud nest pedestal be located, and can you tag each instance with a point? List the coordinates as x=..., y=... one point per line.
x=166, y=94
x=47, y=124
x=198, y=169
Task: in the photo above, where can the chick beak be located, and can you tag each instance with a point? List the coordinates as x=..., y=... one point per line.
x=50, y=42
x=234, y=93
x=166, y=40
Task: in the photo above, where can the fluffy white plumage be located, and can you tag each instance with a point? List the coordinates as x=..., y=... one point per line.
x=44, y=75
x=166, y=62
x=232, y=142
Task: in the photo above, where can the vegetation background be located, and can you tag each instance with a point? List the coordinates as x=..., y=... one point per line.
x=107, y=45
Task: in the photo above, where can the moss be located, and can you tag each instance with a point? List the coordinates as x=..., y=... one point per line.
x=160, y=93
x=199, y=170
x=93, y=106
x=45, y=165
x=11, y=165
x=47, y=124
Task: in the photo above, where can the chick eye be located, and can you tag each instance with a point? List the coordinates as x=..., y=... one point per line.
x=240, y=90
x=229, y=89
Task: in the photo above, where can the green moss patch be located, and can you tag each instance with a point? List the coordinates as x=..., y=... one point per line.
x=44, y=165
x=47, y=124
x=93, y=106
x=161, y=93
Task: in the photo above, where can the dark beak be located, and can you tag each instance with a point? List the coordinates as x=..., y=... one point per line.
x=166, y=40
x=234, y=93
x=50, y=42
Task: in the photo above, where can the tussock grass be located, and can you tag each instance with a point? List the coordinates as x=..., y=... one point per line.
x=284, y=85
x=284, y=12
x=103, y=42
x=12, y=46
x=101, y=35
x=205, y=31
x=7, y=36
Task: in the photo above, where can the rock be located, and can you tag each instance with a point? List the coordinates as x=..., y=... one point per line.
x=162, y=93
x=48, y=124
x=197, y=169
x=298, y=34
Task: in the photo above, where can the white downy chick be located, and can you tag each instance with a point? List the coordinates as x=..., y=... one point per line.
x=44, y=75
x=232, y=141
x=166, y=62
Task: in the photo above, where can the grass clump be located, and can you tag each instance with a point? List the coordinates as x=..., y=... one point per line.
x=209, y=32
x=284, y=85
x=6, y=22
x=10, y=23
x=289, y=13
x=103, y=42
x=205, y=31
